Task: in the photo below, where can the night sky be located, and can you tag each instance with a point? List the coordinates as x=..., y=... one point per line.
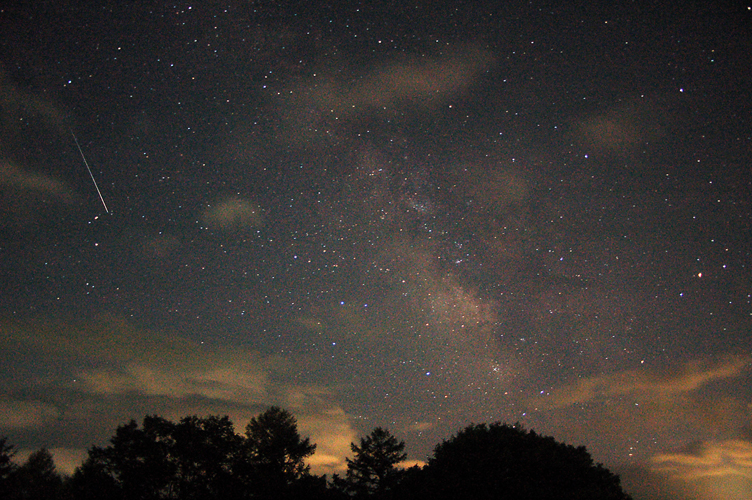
x=415, y=215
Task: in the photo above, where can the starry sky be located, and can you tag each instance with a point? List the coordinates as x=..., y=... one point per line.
x=415, y=215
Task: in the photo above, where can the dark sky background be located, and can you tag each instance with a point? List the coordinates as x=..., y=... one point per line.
x=415, y=215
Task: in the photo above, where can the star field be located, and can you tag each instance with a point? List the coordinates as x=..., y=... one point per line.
x=414, y=216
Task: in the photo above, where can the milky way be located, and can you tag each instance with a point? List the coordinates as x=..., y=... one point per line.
x=414, y=216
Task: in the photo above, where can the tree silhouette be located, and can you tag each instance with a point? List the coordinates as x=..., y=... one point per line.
x=200, y=458
x=92, y=481
x=192, y=459
x=7, y=467
x=139, y=459
x=36, y=478
x=371, y=472
x=204, y=459
x=205, y=451
x=274, y=453
x=507, y=462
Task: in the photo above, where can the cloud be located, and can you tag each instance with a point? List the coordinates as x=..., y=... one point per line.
x=411, y=463
x=714, y=470
x=107, y=372
x=421, y=426
x=66, y=459
x=332, y=432
x=628, y=126
x=732, y=457
x=26, y=414
x=233, y=213
x=24, y=194
x=18, y=104
x=654, y=410
x=690, y=377
x=332, y=99
x=18, y=178
x=418, y=80
x=225, y=383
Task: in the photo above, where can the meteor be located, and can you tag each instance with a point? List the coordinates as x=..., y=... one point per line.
x=90, y=174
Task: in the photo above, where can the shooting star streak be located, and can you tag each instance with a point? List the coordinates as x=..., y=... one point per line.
x=90, y=174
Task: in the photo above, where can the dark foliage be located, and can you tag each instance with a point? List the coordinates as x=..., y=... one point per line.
x=7, y=467
x=203, y=458
x=196, y=458
x=91, y=481
x=35, y=479
x=273, y=455
x=371, y=473
x=507, y=462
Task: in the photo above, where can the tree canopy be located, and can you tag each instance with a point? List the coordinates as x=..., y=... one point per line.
x=6, y=466
x=189, y=459
x=36, y=478
x=274, y=452
x=204, y=458
x=197, y=458
x=371, y=472
x=273, y=441
x=501, y=461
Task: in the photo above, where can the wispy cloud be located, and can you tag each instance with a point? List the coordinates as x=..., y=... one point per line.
x=709, y=470
x=26, y=414
x=724, y=458
x=26, y=194
x=110, y=366
x=689, y=377
x=421, y=81
x=22, y=179
x=331, y=99
x=626, y=126
x=233, y=213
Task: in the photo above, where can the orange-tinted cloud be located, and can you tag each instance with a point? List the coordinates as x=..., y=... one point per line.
x=332, y=432
x=732, y=457
x=648, y=385
x=111, y=367
x=719, y=470
x=13, y=176
x=19, y=414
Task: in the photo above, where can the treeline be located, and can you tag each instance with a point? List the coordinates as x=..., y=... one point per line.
x=205, y=459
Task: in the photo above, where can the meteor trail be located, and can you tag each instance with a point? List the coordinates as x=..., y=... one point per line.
x=90, y=174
